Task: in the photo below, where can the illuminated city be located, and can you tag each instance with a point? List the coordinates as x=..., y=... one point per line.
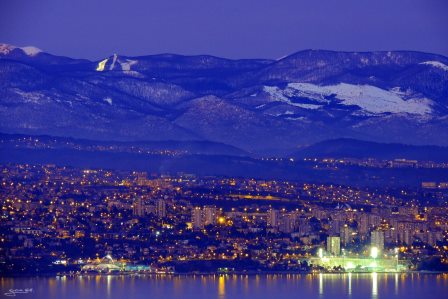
x=72, y=220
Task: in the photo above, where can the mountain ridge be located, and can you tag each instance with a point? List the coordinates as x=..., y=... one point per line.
x=258, y=105
x=352, y=148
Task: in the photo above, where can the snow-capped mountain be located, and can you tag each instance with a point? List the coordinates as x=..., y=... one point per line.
x=255, y=104
x=8, y=49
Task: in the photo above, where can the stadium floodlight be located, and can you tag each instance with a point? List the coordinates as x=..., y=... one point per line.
x=320, y=253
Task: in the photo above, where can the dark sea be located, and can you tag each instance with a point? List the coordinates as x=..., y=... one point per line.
x=275, y=286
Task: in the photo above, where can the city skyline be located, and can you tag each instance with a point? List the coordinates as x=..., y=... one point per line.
x=176, y=223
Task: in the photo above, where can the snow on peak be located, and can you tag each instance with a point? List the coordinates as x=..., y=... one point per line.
x=436, y=64
x=370, y=99
x=31, y=51
x=5, y=49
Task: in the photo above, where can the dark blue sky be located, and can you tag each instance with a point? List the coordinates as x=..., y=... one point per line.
x=228, y=28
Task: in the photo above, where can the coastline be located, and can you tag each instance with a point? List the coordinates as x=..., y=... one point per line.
x=193, y=273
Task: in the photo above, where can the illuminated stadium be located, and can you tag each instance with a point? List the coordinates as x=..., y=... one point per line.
x=108, y=265
x=374, y=263
x=358, y=264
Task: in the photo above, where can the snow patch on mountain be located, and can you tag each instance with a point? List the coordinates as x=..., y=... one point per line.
x=287, y=112
x=436, y=64
x=108, y=100
x=114, y=60
x=306, y=90
x=307, y=106
x=276, y=94
x=126, y=66
x=370, y=99
x=299, y=118
x=101, y=65
x=30, y=96
x=31, y=51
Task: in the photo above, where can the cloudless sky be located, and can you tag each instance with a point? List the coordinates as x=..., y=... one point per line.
x=228, y=28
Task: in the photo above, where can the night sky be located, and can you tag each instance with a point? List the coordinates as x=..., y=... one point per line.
x=228, y=28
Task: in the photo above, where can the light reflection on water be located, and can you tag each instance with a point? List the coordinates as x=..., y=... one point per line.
x=396, y=284
x=321, y=284
x=375, y=285
x=221, y=286
x=349, y=284
x=278, y=286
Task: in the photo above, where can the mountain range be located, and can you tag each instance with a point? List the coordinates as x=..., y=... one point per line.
x=258, y=105
x=351, y=148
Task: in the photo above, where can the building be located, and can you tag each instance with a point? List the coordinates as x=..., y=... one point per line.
x=403, y=163
x=303, y=226
x=161, y=208
x=196, y=218
x=138, y=208
x=210, y=215
x=141, y=178
x=288, y=223
x=363, y=224
x=405, y=236
x=273, y=218
x=203, y=217
x=443, y=185
x=374, y=220
x=345, y=234
x=429, y=185
x=334, y=245
x=335, y=226
x=377, y=240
